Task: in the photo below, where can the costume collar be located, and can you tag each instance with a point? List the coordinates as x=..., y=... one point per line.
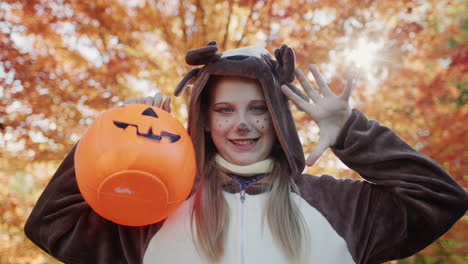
x=261, y=167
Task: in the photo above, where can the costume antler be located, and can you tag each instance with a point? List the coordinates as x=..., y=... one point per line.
x=194, y=57
x=286, y=60
x=285, y=67
x=180, y=88
x=203, y=55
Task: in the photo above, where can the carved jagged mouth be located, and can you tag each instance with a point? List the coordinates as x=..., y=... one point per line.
x=172, y=137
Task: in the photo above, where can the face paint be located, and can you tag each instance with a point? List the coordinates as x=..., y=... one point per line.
x=239, y=121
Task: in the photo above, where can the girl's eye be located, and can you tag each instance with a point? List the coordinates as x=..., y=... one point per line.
x=258, y=109
x=224, y=110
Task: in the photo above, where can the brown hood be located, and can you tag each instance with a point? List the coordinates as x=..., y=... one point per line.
x=248, y=63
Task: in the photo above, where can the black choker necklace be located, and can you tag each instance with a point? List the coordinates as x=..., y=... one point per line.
x=246, y=181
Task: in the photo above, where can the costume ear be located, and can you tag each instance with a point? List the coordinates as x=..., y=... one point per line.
x=186, y=81
x=287, y=60
x=203, y=55
x=285, y=66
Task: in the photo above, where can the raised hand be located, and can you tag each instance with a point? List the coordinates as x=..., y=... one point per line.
x=156, y=100
x=329, y=111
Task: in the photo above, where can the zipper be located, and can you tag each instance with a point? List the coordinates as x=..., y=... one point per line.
x=242, y=226
x=242, y=196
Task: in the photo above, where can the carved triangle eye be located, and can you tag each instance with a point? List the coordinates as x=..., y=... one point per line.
x=149, y=112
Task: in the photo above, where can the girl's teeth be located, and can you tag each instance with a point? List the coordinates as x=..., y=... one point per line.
x=244, y=142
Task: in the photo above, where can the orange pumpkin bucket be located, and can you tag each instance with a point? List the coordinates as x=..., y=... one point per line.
x=135, y=164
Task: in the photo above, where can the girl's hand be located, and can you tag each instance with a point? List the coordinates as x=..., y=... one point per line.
x=329, y=111
x=156, y=100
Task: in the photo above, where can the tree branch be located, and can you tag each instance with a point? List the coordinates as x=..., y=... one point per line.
x=167, y=34
x=182, y=11
x=249, y=19
x=200, y=21
x=226, y=32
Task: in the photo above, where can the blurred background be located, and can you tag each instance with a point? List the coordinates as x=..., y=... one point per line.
x=64, y=61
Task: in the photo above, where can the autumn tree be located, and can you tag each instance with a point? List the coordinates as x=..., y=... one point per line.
x=64, y=61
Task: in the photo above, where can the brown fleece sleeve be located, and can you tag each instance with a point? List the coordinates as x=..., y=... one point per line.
x=405, y=202
x=63, y=225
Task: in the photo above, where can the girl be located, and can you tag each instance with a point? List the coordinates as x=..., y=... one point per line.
x=250, y=203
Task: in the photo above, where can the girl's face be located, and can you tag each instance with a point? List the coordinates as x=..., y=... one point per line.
x=239, y=121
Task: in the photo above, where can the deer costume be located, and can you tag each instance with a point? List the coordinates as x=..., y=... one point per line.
x=405, y=202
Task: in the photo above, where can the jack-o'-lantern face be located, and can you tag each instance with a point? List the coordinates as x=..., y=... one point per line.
x=151, y=113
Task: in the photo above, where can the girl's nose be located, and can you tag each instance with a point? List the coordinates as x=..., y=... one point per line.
x=242, y=128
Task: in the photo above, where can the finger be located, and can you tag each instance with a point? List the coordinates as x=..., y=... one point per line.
x=149, y=100
x=297, y=100
x=130, y=101
x=321, y=146
x=167, y=104
x=158, y=100
x=320, y=81
x=311, y=92
x=298, y=92
x=346, y=94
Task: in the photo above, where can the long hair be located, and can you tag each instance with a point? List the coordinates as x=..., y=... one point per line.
x=210, y=214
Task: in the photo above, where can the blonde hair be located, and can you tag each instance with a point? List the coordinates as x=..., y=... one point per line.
x=210, y=213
